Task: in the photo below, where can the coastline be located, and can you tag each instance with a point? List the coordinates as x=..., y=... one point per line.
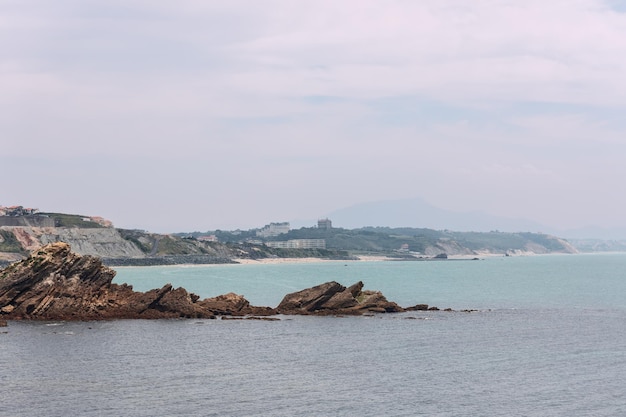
x=57, y=284
x=308, y=260
x=245, y=261
x=359, y=258
x=276, y=261
x=291, y=261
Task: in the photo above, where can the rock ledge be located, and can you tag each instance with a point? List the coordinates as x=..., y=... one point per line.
x=56, y=284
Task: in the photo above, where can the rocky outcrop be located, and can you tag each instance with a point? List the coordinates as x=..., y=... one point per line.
x=333, y=298
x=232, y=304
x=57, y=284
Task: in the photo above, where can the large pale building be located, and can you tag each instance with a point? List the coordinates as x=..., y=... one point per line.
x=274, y=229
x=298, y=244
x=324, y=224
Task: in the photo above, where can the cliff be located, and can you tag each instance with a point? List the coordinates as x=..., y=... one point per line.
x=57, y=284
x=140, y=248
x=137, y=248
x=102, y=242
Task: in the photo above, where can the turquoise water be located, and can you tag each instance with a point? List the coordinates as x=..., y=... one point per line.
x=573, y=281
x=549, y=340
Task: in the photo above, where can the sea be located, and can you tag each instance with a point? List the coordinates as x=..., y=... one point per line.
x=544, y=336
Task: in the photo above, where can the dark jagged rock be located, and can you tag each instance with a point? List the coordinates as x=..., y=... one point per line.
x=56, y=284
x=232, y=304
x=310, y=299
x=418, y=307
x=376, y=302
x=333, y=298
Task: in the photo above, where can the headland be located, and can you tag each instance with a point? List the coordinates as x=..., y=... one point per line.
x=23, y=230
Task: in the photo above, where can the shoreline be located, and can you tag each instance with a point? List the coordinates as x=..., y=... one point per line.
x=276, y=261
x=311, y=260
x=294, y=261
x=266, y=261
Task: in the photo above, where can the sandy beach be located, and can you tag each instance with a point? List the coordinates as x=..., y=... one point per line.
x=274, y=261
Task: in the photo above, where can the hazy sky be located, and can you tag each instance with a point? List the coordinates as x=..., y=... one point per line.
x=196, y=115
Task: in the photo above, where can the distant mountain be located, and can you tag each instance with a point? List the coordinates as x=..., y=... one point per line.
x=418, y=213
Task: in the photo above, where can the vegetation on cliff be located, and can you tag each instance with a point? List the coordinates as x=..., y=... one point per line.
x=95, y=236
x=9, y=243
x=72, y=220
x=419, y=240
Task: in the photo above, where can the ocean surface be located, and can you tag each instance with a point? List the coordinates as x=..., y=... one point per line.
x=548, y=339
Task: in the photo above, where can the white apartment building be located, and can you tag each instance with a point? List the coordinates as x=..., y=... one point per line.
x=274, y=229
x=298, y=244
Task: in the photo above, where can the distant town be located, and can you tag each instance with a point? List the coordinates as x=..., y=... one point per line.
x=274, y=230
x=24, y=229
x=277, y=229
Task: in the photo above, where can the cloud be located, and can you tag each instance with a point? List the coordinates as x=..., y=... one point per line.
x=335, y=102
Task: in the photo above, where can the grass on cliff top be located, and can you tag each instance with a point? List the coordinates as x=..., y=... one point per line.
x=72, y=220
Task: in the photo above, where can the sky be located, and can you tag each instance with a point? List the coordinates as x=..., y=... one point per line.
x=202, y=115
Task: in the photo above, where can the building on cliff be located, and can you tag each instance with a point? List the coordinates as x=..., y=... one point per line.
x=274, y=229
x=324, y=224
x=17, y=211
x=298, y=244
x=207, y=238
x=19, y=216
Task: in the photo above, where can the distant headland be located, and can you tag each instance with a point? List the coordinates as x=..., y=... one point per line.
x=23, y=230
